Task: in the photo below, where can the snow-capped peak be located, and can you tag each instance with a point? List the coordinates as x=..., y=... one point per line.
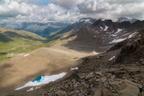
x=106, y=28
x=86, y=20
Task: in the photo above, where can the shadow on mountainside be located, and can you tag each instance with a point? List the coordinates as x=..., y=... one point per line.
x=85, y=40
x=4, y=39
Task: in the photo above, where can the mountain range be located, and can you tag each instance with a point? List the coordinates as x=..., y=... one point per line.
x=107, y=59
x=42, y=29
x=98, y=35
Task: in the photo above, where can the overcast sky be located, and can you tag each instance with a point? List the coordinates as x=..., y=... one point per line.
x=69, y=10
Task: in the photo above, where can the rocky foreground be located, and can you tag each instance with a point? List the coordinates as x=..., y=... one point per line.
x=117, y=72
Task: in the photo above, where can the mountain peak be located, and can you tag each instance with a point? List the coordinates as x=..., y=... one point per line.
x=87, y=20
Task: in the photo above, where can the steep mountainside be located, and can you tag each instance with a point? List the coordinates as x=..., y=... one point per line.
x=117, y=72
x=90, y=34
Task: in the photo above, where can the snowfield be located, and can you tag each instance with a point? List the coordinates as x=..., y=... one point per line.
x=44, y=80
x=117, y=40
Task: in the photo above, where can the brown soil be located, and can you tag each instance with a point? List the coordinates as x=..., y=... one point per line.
x=43, y=61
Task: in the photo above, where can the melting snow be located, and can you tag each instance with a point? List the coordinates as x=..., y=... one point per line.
x=101, y=27
x=87, y=21
x=119, y=30
x=117, y=40
x=133, y=34
x=76, y=68
x=95, y=53
x=44, y=80
x=112, y=58
x=106, y=28
x=31, y=89
x=114, y=35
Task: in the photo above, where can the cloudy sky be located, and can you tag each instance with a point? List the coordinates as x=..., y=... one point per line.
x=69, y=10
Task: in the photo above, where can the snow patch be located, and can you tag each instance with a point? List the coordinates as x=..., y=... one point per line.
x=132, y=35
x=117, y=40
x=112, y=58
x=44, y=80
x=31, y=89
x=118, y=31
x=95, y=53
x=114, y=35
x=101, y=27
x=106, y=28
x=76, y=68
x=88, y=20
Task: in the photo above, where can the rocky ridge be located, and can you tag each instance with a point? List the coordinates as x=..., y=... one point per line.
x=117, y=72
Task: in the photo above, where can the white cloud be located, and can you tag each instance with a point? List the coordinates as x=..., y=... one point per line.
x=69, y=10
x=112, y=9
x=14, y=8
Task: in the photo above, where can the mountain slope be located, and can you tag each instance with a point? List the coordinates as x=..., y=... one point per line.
x=98, y=35
x=47, y=58
x=118, y=72
x=42, y=29
x=13, y=41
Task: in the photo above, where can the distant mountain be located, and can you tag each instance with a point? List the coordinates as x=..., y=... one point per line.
x=75, y=26
x=123, y=19
x=42, y=29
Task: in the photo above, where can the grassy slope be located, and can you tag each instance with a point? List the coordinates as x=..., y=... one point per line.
x=13, y=42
